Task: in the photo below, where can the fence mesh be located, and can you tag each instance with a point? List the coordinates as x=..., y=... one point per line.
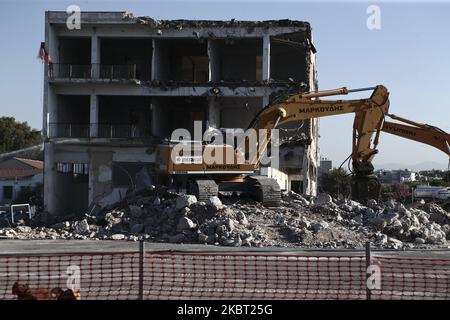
x=412, y=278
x=228, y=276
x=195, y=275
x=102, y=276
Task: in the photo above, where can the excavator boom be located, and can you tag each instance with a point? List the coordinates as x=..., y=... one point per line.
x=418, y=132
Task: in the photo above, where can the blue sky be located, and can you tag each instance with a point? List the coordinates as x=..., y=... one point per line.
x=410, y=55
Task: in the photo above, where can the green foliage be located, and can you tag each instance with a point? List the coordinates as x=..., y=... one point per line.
x=387, y=192
x=434, y=183
x=17, y=135
x=439, y=183
x=337, y=183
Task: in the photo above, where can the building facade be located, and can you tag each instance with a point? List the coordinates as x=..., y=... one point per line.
x=119, y=85
x=18, y=177
x=396, y=176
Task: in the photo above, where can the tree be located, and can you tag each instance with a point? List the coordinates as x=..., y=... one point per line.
x=336, y=182
x=16, y=135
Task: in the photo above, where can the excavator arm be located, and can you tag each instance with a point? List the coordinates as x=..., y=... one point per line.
x=418, y=132
x=369, y=118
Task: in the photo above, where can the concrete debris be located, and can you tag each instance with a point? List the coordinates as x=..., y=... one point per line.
x=300, y=221
x=118, y=236
x=185, y=224
x=215, y=203
x=82, y=227
x=183, y=23
x=185, y=201
x=323, y=198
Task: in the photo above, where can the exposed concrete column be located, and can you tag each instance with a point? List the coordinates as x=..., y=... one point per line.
x=213, y=58
x=213, y=113
x=265, y=100
x=100, y=174
x=94, y=116
x=266, y=58
x=155, y=59
x=51, y=113
x=155, y=117
x=49, y=179
x=95, y=55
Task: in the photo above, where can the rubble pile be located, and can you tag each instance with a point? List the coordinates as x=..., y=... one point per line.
x=313, y=222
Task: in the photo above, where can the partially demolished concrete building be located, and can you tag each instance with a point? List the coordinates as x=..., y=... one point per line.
x=120, y=84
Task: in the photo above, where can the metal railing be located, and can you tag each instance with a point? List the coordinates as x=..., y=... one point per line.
x=104, y=130
x=92, y=71
x=68, y=130
x=121, y=131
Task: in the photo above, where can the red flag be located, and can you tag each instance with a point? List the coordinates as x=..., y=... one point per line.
x=43, y=54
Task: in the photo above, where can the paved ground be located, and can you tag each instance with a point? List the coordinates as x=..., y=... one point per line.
x=65, y=246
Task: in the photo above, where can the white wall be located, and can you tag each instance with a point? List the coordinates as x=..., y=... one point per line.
x=29, y=182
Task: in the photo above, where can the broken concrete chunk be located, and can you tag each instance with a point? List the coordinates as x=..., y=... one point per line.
x=322, y=198
x=185, y=201
x=118, y=236
x=114, y=217
x=23, y=229
x=82, y=227
x=185, y=224
x=241, y=218
x=419, y=241
x=317, y=227
x=214, y=202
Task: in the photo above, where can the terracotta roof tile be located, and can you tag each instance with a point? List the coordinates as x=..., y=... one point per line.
x=33, y=163
x=18, y=173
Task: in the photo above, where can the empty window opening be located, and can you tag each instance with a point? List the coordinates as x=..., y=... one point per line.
x=72, y=117
x=239, y=59
x=124, y=117
x=178, y=112
x=74, y=58
x=247, y=108
x=7, y=192
x=182, y=60
x=126, y=58
x=288, y=57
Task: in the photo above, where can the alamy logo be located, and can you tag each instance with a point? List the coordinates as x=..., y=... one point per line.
x=374, y=277
x=73, y=21
x=239, y=147
x=73, y=277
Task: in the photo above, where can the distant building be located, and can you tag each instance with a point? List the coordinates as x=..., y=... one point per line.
x=396, y=176
x=17, y=175
x=325, y=166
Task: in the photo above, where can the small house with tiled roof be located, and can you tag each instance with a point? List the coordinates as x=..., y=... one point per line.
x=18, y=175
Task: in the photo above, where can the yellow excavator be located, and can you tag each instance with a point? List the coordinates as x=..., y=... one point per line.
x=418, y=132
x=206, y=179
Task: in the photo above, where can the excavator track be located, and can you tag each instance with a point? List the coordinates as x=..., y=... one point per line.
x=203, y=189
x=265, y=190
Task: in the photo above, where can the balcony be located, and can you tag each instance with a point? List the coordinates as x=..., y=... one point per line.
x=121, y=131
x=106, y=131
x=92, y=71
x=68, y=130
